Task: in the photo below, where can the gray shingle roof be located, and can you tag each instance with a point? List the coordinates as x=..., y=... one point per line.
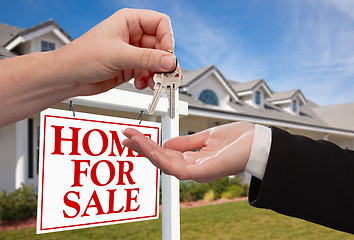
x=338, y=116
x=4, y=53
x=7, y=32
x=283, y=95
x=244, y=86
x=271, y=112
x=190, y=76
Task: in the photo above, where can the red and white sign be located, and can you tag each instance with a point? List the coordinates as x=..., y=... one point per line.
x=88, y=178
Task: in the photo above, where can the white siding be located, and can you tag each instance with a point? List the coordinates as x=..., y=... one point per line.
x=49, y=37
x=7, y=160
x=248, y=99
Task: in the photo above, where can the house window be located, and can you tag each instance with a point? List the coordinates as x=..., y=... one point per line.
x=258, y=98
x=209, y=97
x=294, y=105
x=47, y=46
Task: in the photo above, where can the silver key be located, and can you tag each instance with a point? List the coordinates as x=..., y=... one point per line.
x=158, y=79
x=171, y=82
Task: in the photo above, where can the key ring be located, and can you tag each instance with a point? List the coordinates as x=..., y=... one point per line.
x=176, y=60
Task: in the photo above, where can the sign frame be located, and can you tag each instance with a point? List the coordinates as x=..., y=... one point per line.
x=67, y=115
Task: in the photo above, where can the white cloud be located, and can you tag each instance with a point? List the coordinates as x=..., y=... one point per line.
x=322, y=62
x=345, y=6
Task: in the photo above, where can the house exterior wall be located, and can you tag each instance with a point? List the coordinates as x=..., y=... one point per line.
x=7, y=157
x=248, y=99
x=188, y=124
x=25, y=48
x=285, y=106
x=49, y=37
x=345, y=143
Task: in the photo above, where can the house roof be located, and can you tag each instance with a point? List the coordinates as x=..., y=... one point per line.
x=45, y=24
x=7, y=32
x=245, y=86
x=249, y=86
x=24, y=32
x=283, y=95
x=4, y=53
x=190, y=76
x=340, y=115
x=272, y=112
x=10, y=33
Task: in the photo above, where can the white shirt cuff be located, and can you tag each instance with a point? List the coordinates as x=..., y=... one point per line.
x=258, y=159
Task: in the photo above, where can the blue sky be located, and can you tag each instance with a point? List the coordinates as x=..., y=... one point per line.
x=305, y=44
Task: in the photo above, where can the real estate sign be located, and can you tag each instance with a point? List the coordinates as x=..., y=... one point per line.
x=88, y=178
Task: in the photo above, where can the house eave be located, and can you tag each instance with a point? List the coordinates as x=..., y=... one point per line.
x=201, y=112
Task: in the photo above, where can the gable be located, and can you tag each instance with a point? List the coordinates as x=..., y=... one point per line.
x=212, y=88
x=47, y=29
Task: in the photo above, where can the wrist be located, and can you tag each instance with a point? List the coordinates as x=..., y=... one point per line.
x=65, y=70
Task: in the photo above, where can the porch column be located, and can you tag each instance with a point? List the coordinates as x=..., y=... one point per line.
x=21, y=152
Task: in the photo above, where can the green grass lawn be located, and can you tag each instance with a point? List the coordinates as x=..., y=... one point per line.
x=235, y=220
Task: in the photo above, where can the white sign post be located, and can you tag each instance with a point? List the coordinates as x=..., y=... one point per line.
x=88, y=178
x=170, y=185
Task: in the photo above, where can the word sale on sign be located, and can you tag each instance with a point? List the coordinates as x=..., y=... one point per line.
x=88, y=178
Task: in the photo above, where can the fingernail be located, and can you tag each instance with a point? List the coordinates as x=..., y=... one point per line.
x=167, y=62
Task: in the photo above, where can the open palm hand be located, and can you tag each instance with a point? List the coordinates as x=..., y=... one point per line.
x=203, y=157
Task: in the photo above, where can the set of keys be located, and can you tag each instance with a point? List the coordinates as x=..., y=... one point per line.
x=170, y=82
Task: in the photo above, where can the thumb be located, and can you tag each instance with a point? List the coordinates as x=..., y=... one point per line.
x=147, y=59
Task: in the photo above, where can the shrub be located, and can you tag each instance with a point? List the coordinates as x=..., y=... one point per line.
x=209, y=196
x=227, y=195
x=227, y=187
x=236, y=191
x=192, y=191
x=18, y=205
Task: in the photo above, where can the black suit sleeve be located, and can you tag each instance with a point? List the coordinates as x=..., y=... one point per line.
x=311, y=180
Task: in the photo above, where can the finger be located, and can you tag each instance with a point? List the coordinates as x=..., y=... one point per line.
x=170, y=162
x=99, y=87
x=147, y=22
x=141, y=78
x=145, y=58
x=188, y=143
x=139, y=142
x=149, y=41
x=153, y=23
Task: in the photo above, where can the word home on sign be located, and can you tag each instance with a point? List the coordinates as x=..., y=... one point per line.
x=88, y=178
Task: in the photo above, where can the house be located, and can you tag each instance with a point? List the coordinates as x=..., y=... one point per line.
x=17, y=145
x=212, y=100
